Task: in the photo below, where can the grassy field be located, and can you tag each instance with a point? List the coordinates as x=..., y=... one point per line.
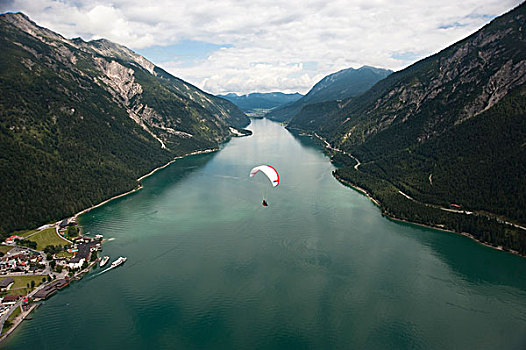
x=14, y=314
x=10, y=319
x=47, y=237
x=64, y=254
x=4, y=248
x=26, y=233
x=21, y=282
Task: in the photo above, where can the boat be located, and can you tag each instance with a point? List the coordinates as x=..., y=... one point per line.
x=119, y=261
x=104, y=261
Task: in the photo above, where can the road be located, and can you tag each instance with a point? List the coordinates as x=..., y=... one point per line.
x=460, y=211
x=18, y=303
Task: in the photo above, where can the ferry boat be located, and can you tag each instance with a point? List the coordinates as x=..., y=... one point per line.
x=104, y=261
x=119, y=261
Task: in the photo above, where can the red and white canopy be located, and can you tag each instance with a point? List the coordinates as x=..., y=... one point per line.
x=269, y=171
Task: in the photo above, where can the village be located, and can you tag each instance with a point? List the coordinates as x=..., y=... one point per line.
x=36, y=264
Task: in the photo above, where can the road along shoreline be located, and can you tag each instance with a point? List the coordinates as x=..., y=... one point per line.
x=329, y=147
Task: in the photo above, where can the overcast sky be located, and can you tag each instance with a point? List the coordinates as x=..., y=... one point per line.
x=257, y=45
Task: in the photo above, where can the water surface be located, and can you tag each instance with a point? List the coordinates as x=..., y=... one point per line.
x=209, y=267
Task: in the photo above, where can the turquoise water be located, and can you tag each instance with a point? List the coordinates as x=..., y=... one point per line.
x=209, y=267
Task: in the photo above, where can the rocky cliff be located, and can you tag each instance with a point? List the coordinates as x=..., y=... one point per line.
x=438, y=92
x=449, y=129
x=80, y=121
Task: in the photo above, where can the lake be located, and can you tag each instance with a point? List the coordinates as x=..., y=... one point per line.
x=210, y=267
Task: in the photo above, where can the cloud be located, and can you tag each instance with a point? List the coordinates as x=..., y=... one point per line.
x=261, y=45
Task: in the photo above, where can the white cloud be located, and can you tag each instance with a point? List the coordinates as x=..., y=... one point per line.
x=269, y=41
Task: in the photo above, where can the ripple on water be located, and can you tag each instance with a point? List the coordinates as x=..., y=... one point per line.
x=209, y=267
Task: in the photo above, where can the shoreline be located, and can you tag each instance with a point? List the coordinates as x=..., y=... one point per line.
x=18, y=320
x=394, y=218
x=139, y=186
x=391, y=217
x=24, y=314
x=79, y=274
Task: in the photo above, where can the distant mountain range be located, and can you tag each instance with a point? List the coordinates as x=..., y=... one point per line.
x=340, y=85
x=81, y=121
x=258, y=100
x=449, y=129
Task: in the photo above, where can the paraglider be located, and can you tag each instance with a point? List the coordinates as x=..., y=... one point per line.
x=270, y=173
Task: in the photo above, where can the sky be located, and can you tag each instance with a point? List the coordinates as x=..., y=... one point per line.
x=245, y=46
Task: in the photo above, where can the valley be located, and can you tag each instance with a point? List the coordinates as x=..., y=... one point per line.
x=393, y=184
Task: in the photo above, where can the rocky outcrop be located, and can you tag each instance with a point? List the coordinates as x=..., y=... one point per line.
x=81, y=121
x=435, y=94
x=448, y=129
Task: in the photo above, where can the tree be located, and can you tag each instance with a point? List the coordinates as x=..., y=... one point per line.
x=32, y=284
x=58, y=268
x=72, y=231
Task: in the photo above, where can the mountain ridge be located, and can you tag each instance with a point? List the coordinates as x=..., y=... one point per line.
x=339, y=85
x=410, y=133
x=259, y=100
x=81, y=121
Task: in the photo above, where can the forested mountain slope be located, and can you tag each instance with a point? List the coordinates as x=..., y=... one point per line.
x=261, y=100
x=448, y=129
x=80, y=121
x=340, y=85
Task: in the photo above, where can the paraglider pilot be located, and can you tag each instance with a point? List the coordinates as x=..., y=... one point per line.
x=270, y=173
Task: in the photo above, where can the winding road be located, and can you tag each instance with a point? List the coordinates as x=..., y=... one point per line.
x=460, y=211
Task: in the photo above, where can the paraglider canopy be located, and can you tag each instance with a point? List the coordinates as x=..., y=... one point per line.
x=269, y=171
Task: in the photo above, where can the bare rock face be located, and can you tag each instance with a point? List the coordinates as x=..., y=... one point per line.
x=84, y=120
x=26, y=25
x=122, y=85
x=443, y=90
x=182, y=113
x=107, y=48
x=119, y=80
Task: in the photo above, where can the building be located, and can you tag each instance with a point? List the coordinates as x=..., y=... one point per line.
x=50, y=289
x=10, y=299
x=75, y=262
x=7, y=263
x=45, y=292
x=6, y=284
x=81, y=256
x=61, y=283
x=11, y=240
x=63, y=224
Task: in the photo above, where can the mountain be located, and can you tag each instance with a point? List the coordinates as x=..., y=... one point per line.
x=340, y=85
x=450, y=129
x=81, y=121
x=257, y=100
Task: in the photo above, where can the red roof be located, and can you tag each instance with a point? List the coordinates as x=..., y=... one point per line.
x=11, y=297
